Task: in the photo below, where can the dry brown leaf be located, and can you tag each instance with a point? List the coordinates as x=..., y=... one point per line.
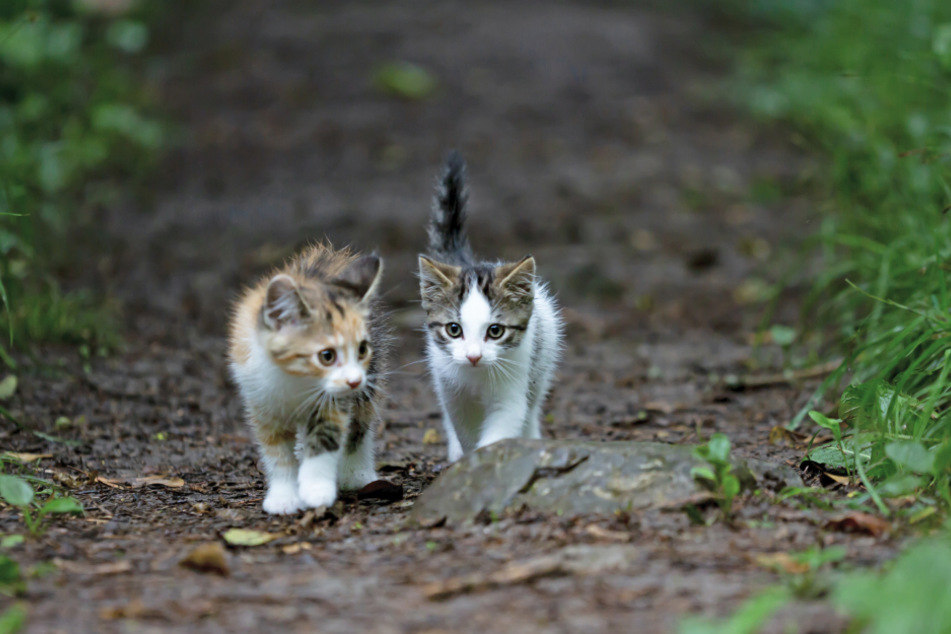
x=381, y=490
x=839, y=479
x=662, y=407
x=134, y=609
x=115, y=484
x=135, y=483
x=600, y=532
x=858, y=522
x=26, y=458
x=782, y=561
x=208, y=557
x=76, y=568
x=293, y=549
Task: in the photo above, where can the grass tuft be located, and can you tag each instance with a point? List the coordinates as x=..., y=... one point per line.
x=866, y=85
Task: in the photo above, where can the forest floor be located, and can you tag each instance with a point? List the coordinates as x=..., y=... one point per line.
x=594, y=144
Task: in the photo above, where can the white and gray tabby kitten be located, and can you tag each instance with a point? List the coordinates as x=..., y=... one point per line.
x=493, y=331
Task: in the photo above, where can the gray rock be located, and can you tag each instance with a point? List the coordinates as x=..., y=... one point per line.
x=572, y=477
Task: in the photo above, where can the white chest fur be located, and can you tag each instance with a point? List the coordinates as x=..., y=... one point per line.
x=503, y=398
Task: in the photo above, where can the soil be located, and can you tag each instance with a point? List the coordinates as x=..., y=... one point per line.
x=596, y=142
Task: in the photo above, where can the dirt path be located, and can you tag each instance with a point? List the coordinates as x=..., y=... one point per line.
x=590, y=145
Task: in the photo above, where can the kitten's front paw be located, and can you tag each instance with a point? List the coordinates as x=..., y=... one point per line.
x=316, y=493
x=357, y=480
x=282, y=501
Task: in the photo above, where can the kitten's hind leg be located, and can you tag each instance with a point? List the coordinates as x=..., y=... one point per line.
x=280, y=468
x=318, y=446
x=357, y=467
x=533, y=424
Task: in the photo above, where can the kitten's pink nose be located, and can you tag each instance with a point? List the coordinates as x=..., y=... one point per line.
x=474, y=358
x=354, y=383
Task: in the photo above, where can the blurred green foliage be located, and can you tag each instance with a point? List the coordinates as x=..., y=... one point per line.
x=866, y=85
x=75, y=128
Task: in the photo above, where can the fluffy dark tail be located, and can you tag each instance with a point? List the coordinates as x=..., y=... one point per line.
x=447, y=233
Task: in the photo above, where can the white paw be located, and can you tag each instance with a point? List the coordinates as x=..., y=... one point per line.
x=282, y=500
x=314, y=493
x=455, y=452
x=357, y=480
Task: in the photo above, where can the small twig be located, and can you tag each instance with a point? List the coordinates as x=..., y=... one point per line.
x=519, y=572
x=789, y=376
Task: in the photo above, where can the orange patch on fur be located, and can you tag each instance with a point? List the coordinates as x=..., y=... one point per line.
x=272, y=437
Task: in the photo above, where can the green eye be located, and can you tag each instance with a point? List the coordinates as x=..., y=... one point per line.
x=363, y=350
x=454, y=330
x=327, y=356
x=495, y=331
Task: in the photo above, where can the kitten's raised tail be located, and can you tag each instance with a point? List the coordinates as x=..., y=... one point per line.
x=447, y=233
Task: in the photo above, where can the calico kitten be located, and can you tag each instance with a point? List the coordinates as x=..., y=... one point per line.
x=493, y=331
x=306, y=350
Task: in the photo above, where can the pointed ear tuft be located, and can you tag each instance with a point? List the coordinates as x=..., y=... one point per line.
x=283, y=303
x=361, y=277
x=435, y=278
x=517, y=279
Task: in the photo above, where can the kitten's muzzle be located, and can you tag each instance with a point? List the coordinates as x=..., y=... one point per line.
x=474, y=357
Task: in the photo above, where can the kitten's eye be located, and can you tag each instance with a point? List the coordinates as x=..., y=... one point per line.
x=495, y=331
x=454, y=330
x=327, y=356
x=363, y=350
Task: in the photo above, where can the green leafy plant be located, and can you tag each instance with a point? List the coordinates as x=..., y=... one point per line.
x=17, y=492
x=912, y=595
x=806, y=575
x=864, y=85
x=718, y=473
x=11, y=581
x=13, y=619
x=748, y=619
x=75, y=122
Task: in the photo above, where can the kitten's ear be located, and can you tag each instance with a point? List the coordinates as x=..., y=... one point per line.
x=516, y=280
x=283, y=303
x=435, y=277
x=361, y=277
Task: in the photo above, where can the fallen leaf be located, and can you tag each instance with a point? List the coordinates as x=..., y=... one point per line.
x=115, y=484
x=208, y=557
x=111, y=568
x=600, y=532
x=839, y=479
x=247, y=537
x=405, y=80
x=924, y=513
x=135, y=483
x=858, y=522
x=10, y=541
x=26, y=458
x=7, y=387
x=134, y=609
x=779, y=434
x=783, y=562
x=381, y=490
x=581, y=560
x=431, y=437
x=293, y=549
x=662, y=407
